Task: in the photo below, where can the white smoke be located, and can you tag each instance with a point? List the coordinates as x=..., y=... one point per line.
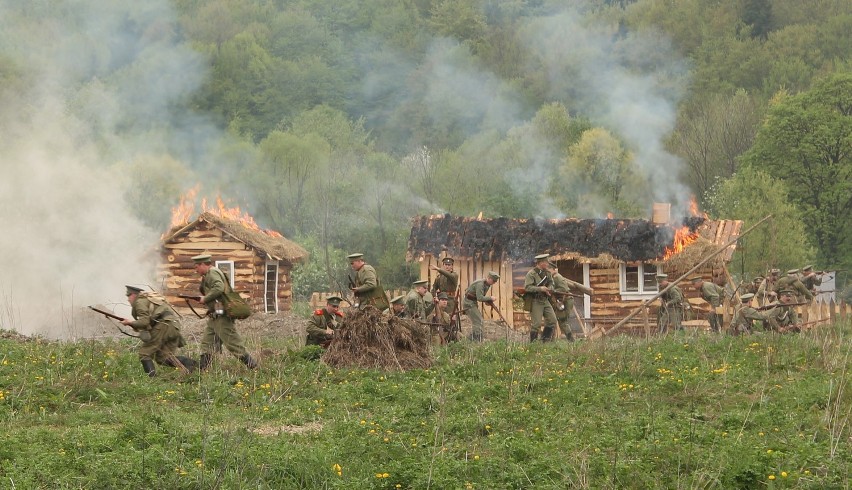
x=90, y=86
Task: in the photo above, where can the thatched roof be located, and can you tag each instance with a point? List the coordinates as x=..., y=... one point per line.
x=276, y=247
x=588, y=240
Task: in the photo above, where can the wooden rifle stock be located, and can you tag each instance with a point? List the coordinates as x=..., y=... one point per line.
x=107, y=314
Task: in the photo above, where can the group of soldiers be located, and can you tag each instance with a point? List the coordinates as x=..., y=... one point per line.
x=547, y=295
x=159, y=325
x=550, y=297
x=777, y=298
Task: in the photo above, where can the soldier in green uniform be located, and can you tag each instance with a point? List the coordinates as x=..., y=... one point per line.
x=791, y=281
x=810, y=279
x=753, y=286
x=159, y=330
x=366, y=284
x=447, y=281
x=563, y=305
x=712, y=294
x=473, y=295
x=539, y=283
x=397, y=307
x=745, y=316
x=670, y=314
x=767, y=287
x=440, y=320
x=324, y=322
x=218, y=323
x=783, y=317
x=415, y=301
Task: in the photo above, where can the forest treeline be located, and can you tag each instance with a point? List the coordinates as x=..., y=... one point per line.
x=343, y=119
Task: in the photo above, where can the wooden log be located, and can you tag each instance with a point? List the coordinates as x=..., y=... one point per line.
x=207, y=246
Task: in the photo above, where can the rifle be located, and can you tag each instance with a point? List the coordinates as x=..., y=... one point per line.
x=343, y=296
x=114, y=317
x=455, y=317
x=769, y=307
x=494, y=308
x=217, y=341
x=560, y=293
x=352, y=288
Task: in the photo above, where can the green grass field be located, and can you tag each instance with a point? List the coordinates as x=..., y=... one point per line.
x=677, y=412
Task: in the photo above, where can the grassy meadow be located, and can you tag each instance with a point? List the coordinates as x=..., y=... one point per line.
x=683, y=411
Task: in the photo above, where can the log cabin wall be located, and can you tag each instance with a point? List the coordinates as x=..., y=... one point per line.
x=471, y=270
x=178, y=276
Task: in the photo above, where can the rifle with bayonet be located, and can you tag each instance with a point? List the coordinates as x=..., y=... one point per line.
x=113, y=316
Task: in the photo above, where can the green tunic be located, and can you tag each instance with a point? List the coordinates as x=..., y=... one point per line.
x=153, y=315
x=712, y=294
x=534, y=283
x=368, y=288
x=744, y=318
x=473, y=295
x=318, y=323
x=793, y=282
x=670, y=313
x=218, y=324
x=416, y=305
x=563, y=306
x=446, y=282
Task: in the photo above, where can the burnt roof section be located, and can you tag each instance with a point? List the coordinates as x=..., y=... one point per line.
x=276, y=247
x=517, y=240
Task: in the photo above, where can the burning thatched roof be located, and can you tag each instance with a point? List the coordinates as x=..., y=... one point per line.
x=517, y=240
x=276, y=247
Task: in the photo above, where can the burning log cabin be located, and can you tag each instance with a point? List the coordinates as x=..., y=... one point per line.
x=618, y=258
x=258, y=262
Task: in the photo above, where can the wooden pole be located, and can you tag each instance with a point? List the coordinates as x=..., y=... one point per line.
x=603, y=333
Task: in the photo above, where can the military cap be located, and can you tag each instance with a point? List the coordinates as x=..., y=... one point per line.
x=807, y=268
x=787, y=291
x=443, y=296
x=757, y=279
x=397, y=299
x=334, y=300
x=746, y=297
x=447, y=260
x=541, y=257
x=422, y=282
x=202, y=259
x=494, y=275
x=357, y=256
x=775, y=271
x=696, y=279
x=793, y=271
x=133, y=290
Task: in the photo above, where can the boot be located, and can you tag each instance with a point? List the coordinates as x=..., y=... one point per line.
x=248, y=361
x=205, y=361
x=188, y=363
x=533, y=335
x=148, y=367
x=547, y=334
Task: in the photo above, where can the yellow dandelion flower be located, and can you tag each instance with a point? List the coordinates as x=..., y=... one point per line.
x=783, y=474
x=771, y=477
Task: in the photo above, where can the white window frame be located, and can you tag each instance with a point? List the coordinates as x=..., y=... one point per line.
x=587, y=303
x=266, y=285
x=229, y=273
x=641, y=293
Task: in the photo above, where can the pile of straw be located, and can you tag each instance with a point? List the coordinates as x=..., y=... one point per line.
x=369, y=340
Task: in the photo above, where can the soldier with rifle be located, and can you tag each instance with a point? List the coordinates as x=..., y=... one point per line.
x=791, y=282
x=439, y=322
x=745, y=316
x=712, y=294
x=365, y=284
x=539, y=283
x=324, y=322
x=213, y=288
x=447, y=281
x=397, y=307
x=782, y=316
x=811, y=279
x=767, y=287
x=415, y=302
x=159, y=330
x=670, y=314
x=475, y=294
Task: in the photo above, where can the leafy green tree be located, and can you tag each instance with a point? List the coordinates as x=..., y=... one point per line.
x=806, y=142
x=750, y=195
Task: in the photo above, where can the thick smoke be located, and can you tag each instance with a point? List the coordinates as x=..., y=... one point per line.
x=88, y=88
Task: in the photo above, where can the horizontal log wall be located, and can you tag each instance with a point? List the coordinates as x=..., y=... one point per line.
x=177, y=270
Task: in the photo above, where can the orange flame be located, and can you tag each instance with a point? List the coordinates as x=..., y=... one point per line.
x=693, y=208
x=610, y=216
x=183, y=212
x=682, y=239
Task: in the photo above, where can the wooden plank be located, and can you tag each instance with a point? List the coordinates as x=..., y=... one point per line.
x=207, y=246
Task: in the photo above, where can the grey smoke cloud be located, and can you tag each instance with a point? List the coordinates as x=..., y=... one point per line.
x=101, y=87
